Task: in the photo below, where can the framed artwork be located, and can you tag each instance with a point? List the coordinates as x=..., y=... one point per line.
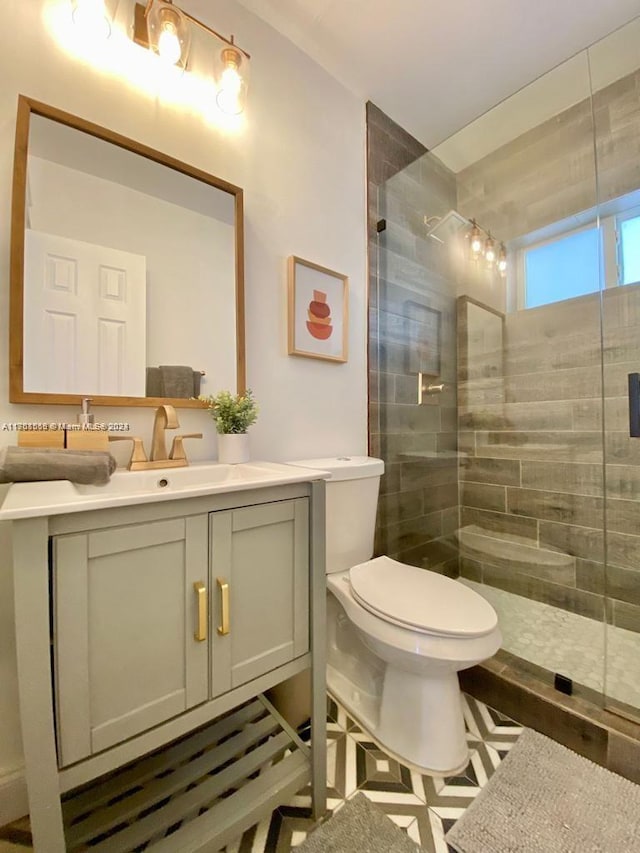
x=423, y=339
x=318, y=311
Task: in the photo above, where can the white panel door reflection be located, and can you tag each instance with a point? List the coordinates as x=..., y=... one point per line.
x=84, y=318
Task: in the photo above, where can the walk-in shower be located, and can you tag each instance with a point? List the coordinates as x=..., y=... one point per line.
x=519, y=474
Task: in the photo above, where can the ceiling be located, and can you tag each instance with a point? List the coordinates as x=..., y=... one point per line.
x=435, y=65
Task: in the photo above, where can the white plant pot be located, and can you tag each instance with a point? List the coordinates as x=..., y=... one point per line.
x=233, y=448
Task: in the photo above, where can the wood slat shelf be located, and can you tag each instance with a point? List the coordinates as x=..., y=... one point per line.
x=201, y=791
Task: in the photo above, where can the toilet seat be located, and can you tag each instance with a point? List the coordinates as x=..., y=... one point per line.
x=421, y=600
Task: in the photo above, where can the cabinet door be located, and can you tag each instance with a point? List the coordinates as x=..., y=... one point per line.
x=262, y=554
x=126, y=615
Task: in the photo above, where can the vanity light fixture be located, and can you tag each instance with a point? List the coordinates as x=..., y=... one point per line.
x=490, y=250
x=168, y=32
x=164, y=28
x=481, y=243
x=92, y=17
x=232, y=80
x=476, y=240
x=502, y=260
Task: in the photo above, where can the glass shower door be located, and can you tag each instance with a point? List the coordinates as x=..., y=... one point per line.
x=615, y=76
x=499, y=396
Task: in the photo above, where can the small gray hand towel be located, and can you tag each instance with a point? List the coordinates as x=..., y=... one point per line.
x=154, y=382
x=177, y=380
x=30, y=464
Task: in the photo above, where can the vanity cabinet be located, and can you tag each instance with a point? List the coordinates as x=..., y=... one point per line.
x=147, y=635
x=134, y=641
x=125, y=653
x=260, y=584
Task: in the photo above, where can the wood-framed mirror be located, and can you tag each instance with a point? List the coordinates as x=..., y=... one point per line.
x=127, y=270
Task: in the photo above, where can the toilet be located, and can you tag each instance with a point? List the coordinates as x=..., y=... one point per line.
x=397, y=635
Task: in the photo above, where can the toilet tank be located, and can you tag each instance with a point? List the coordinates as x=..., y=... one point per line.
x=352, y=501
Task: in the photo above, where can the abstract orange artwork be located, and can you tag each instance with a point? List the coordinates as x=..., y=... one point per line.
x=319, y=322
x=318, y=311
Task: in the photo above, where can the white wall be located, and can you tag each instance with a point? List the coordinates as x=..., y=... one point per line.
x=299, y=158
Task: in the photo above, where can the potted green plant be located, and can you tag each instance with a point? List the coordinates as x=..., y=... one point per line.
x=233, y=415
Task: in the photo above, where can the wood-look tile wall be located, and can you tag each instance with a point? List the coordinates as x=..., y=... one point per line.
x=531, y=416
x=548, y=173
x=408, y=275
x=527, y=504
x=532, y=485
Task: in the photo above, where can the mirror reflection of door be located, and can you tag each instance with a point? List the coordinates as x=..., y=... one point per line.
x=84, y=317
x=126, y=267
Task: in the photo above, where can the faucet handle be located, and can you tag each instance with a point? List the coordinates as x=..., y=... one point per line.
x=177, y=446
x=137, y=450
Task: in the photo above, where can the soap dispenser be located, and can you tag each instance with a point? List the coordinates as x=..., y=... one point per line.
x=85, y=418
x=85, y=436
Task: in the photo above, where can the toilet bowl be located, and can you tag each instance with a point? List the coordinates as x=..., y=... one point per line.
x=397, y=635
x=414, y=710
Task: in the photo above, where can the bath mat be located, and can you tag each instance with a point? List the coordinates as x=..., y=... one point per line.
x=544, y=798
x=359, y=827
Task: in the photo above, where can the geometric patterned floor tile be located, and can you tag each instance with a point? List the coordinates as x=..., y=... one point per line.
x=489, y=726
x=10, y=847
x=378, y=772
x=337, y=714
x=425, y=807
x=16, y=836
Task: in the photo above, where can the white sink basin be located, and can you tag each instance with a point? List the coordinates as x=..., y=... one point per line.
x=28, y=500
x=176, y=479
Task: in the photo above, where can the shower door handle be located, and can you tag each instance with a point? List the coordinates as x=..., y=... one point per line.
x=634, y=405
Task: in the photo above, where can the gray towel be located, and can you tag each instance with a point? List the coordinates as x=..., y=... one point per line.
x=30, y=464
x=154, y=382
x=177, y=380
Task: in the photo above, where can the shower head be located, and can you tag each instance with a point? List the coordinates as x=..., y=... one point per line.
x=441, y=228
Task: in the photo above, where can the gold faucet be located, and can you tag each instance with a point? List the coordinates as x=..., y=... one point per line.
x=165, y=418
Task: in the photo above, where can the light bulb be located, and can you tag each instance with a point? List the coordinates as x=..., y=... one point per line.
x=490, y=250
x=169, y=44
x=476, y=240
x=169, y=33
x=502, y=259
x=231, y=85
x=92, y=18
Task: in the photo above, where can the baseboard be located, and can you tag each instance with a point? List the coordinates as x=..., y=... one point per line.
x=13, y=797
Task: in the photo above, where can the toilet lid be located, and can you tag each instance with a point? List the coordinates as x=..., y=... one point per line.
x=420, y=599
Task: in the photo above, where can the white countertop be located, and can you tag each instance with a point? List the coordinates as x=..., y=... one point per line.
x=54, y=497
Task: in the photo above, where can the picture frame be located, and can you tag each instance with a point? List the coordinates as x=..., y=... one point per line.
x=318, y=311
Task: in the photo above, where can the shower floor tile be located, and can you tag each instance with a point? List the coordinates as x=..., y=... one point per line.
x=567, y=643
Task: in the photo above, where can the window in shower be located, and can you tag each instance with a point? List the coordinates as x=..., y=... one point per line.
x=629, y=249
x=562, y=268
x=568, y=265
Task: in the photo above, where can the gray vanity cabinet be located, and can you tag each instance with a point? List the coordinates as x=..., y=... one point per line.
x=152, y=619
x=126, y=656
x=147, y=634
x=260, y=585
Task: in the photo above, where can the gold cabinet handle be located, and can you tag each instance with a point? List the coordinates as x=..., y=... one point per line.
x=223, y=586
x=201, y=594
